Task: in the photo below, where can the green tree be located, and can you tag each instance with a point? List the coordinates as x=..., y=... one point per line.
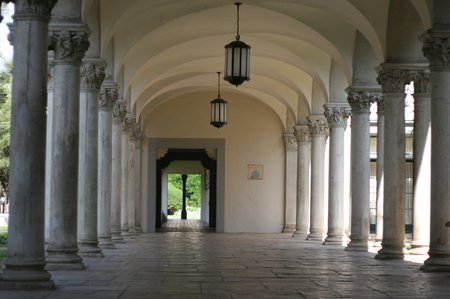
x=175, y=197
x=5, y=119
x=193, y=187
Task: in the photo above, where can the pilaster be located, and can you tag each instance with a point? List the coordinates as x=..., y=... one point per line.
x=290, y=183
x=319, y=130
x=380, y=170
x=337, y=115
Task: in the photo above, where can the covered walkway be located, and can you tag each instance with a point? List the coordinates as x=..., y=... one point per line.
x=208, y=265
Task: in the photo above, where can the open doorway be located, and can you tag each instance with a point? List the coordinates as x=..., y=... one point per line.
x=192, y=172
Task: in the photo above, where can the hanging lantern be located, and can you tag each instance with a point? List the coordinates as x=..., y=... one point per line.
x=237, y=58
x=218, y=109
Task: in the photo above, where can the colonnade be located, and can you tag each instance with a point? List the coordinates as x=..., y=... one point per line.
x=110, y=180
x=81, y=186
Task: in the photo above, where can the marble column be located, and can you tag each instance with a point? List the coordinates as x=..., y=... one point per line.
x=435, y=48
x=393, y=78
x=124, y=178
x=119, y=112
x=92, y=75
x=137, y=163
x=25, y=261
x=303, y=138
x=380, y=170
x=337, y=115
x=318, y=128
x=360, y=100
x=131, y=198
x=108, y=98
x=48, y=148
x=422, y=160
x=290, y=183
x=69, y=42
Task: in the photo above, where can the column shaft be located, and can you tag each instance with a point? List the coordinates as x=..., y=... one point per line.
x=319, y=131
x=138, y=185
x=337, y=120
x=70, y=41
x=108, y=99
x=124, y=181
x=131, y=188
x=360, y=101
x=380, y=170
x=435, y=48
x=92, y=76
x=393, y=78
x=303, y=180
x=24, y=265
x=290, y=184
x=119, y=114
x=422, y=170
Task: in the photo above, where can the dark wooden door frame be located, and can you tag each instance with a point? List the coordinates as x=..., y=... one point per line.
x=188, y=155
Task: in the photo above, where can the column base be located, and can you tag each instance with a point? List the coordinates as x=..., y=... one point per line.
x=139, y=229
x=64, y=260
x=390, y=252
x=315, y=236
x=25, y=277
x=358, y=246
x=300, y=234
x=106, y=243
x=89, y=249
x=288, y=229
x=437, y=263
x=116, y=237
x=333, y=240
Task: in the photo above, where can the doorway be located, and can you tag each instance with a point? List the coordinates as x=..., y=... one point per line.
x=208, y=163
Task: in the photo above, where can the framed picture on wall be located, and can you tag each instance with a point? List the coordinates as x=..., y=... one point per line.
x=255, y=171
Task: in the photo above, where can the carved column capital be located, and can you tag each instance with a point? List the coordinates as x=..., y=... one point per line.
x=337, y=115
x=119, y=110
x=32, y=8
x=302, y=133
x=360, y=100
x=92, y=73
x=436, y=48
x=108, y=96
x=380, y=105
x=69, y=43
x=318, y=127
x=128, y=123
x=290, y=141
x=422, y=83
x=49, y=76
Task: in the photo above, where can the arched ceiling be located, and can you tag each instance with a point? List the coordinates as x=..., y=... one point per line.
x=165, y=48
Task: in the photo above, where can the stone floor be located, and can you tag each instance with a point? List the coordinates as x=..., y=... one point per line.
x=209, y=265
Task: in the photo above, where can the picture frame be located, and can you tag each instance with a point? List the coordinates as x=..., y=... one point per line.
x=255, y=171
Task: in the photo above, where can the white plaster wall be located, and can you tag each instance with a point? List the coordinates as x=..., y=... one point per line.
x=254, y=135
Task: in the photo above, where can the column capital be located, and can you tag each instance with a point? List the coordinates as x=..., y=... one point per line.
x=108, y=95
x=92, y=73
x=435, y=48
x=394, y=76
x=337, y=114
x=318, y=126
x=380, y=105
x=25, y=9
x=69, y=42
x=422, y=83
x=361, y=98
x=302, y=134
x=291, y=142
x=119, y=110
x=128, y=123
